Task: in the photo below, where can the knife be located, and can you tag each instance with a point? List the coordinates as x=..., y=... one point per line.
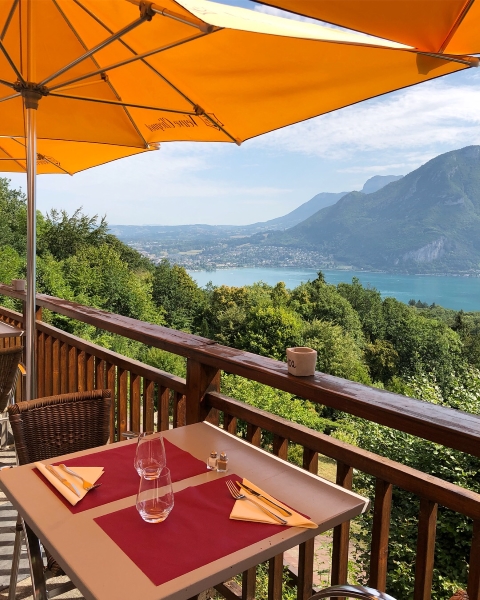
x=265, y=499
x=71, y=486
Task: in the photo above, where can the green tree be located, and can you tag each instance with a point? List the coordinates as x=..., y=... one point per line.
x=64, y=236
x=319, y=300
x=269, y=331
x=178, y=295
x=337, y=351
x=367, y=303
x=13, y=218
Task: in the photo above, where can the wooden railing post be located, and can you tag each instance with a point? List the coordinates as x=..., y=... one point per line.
x=306, y=551
x=380, y=531
x=201, y=379
x=474, y=565
x=427, y=525
x=341, y=533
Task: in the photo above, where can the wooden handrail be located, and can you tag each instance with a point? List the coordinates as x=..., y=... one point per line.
x=440, y=424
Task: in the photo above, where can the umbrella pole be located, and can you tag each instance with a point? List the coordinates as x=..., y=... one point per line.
x=31, y=104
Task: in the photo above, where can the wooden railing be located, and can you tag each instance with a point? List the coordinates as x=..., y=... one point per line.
x=68, y=363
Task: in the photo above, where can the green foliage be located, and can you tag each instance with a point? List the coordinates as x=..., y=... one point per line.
x=64, y=236
x=13, y=221
x=319, y=300
x=453, y=530
x=166, y=361
x=274, y=401
x=177, y=294
x=269, y=330
x=98, y=273
x=367, y=302
x=337, y=351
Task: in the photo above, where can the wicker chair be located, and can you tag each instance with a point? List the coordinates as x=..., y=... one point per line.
x=48, y=427
x=351, y=591
x=9, y=361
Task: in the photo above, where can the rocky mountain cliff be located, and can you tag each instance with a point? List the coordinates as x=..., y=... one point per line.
x=428, y=220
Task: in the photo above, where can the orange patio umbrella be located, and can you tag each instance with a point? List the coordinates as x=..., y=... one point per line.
x=432, y=26
x=90, y=81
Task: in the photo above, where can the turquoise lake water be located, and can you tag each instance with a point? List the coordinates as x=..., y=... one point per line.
x=451, y=292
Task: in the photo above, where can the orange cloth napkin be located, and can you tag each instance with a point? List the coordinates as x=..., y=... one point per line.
x=243, y=510
x=91, y=474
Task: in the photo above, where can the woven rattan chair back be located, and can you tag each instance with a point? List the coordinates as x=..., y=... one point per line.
x=48, y=427
x=9, y=359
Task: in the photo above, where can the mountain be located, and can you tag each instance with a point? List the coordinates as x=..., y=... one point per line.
x=205, y=233
x=307, y=209
x=378, y=182
x=428, y=220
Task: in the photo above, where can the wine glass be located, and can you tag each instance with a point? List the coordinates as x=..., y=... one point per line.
x=155, y=495
x=150, y=455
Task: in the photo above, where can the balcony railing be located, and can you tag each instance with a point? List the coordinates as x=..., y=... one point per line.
x=68, y=363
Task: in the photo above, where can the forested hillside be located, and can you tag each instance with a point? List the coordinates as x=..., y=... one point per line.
x=427, y=221
x=417, y=350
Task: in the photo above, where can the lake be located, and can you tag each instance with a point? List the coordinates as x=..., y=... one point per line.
x=451, y=292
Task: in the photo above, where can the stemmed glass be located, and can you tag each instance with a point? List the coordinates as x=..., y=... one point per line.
x=150, y=456
x=155, y=495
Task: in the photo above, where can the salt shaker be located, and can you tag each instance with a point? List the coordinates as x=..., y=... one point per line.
x=212, y=461
x=222, y=462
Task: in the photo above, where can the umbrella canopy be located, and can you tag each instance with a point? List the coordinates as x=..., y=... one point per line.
x=441, y=26
x=60, y=157
x=91, y=81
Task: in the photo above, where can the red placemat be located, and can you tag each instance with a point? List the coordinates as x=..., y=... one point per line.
x=120, y=479
x=197, y=532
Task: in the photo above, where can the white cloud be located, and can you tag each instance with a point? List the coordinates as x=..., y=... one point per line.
x=415, y=122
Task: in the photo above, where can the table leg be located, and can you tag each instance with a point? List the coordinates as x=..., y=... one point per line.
x=36, y=564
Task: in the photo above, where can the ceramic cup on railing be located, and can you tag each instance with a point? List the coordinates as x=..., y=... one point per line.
x=301, y=361
x=155, y=495
x=19, y=285
x=150, y=457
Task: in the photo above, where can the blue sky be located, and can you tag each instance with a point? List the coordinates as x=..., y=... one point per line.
x=273, y=174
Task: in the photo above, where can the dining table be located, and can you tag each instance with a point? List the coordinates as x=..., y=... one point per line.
x=110, y=553
x=7, y=330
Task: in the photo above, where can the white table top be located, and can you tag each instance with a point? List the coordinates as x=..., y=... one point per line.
x=101, y=570
x=7, y=330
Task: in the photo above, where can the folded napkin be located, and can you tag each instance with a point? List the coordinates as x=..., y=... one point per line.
x=91, y=474
x=243, y=510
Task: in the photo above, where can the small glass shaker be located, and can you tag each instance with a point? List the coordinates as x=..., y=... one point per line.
x=222, y=462
x=212, y=461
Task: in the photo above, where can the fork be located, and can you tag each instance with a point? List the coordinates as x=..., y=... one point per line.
x=86, y=484
x=239, y=496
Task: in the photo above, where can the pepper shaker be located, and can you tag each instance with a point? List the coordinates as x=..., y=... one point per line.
x=212, y=461
x=222, y=462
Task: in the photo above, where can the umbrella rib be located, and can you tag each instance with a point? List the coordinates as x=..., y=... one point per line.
x=157, y=73
x=470, y=61
x=9, y=19
x=127, y=61
x=11, y=63
x=457, y=24
x=95, y=49
x=94, y=60
x=9, y=97
x=121, y=103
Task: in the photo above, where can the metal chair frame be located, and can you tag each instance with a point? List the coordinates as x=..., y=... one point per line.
x=351, y=591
